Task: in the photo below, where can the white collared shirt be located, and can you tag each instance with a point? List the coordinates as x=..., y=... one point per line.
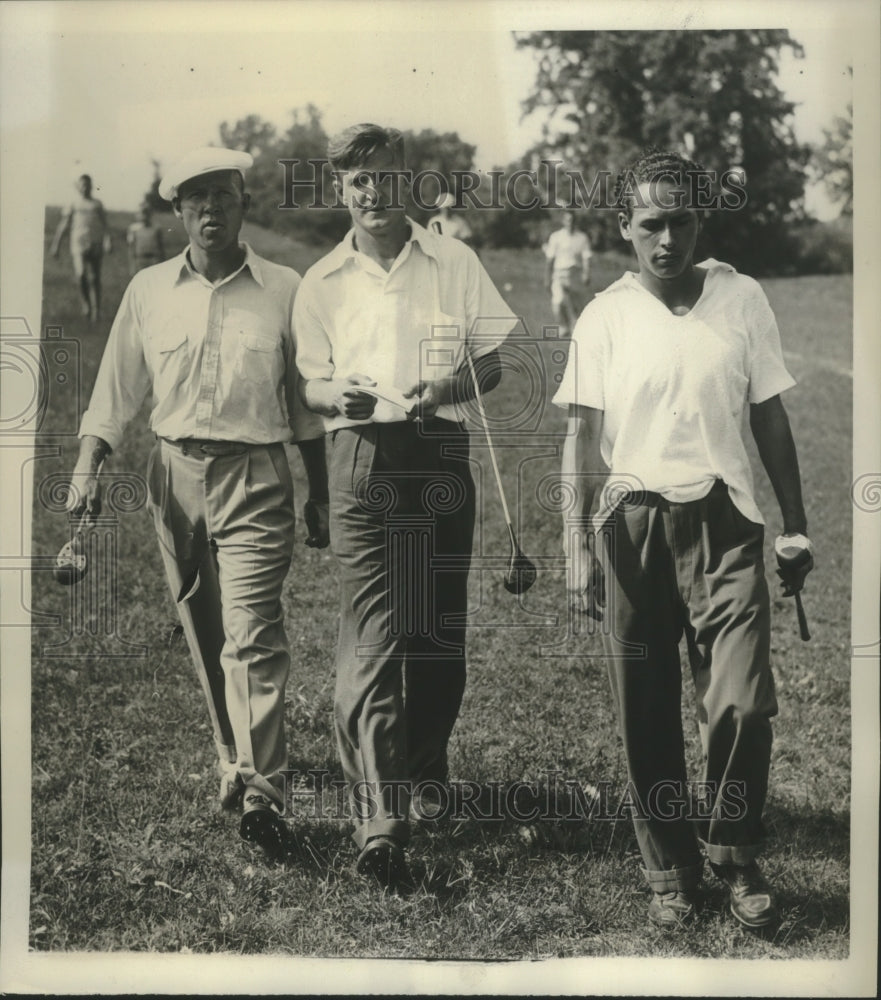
x=674, y=389
x=401, y=326
x=217, y=359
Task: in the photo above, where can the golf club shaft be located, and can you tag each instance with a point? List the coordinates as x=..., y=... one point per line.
x=492, y=452
x=802, y=618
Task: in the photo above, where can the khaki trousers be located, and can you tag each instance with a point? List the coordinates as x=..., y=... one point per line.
x=692, y=569
x=226, y=528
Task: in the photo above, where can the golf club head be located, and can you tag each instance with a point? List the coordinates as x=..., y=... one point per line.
x=521, y=573
x=71, y=563
x=70, y=566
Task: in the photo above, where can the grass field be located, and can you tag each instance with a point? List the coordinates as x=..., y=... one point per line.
x=130, y=851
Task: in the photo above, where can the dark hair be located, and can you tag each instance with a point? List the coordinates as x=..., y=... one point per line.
x=354, y=146
x=652, y=165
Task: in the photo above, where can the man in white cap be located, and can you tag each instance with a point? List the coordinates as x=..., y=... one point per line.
x=207, y=335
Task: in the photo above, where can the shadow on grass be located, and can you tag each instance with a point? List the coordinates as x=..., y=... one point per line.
x=808, y=860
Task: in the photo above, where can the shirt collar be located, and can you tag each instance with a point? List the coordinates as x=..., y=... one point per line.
x=251, y=262
x=711, y=265
x=346, y=250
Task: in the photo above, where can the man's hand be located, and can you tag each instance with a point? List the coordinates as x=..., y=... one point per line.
x=795, y=559
x=317, y=518
x=83, y=492
x=350, y=403
x=585, y=581
x=429, y=398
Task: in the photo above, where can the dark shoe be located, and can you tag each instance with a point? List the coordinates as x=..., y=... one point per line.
x=752, y=900
x=383, y=859
x=262, y=825
x=672, y=909
x=431, y=804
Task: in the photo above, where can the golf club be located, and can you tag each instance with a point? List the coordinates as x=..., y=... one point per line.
x=71, y=564
x=521, y=573
x=791, y=557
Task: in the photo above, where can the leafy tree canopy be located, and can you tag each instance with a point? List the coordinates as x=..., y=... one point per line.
x=710, y=94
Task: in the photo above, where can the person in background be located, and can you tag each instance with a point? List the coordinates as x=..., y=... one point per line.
x=89, y=241
x=664, y=365
x=144, y=240
x=449, y=224
x=568, y=272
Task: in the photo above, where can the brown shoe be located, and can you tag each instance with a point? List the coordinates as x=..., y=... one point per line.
x=673, y=909
x=751, y=898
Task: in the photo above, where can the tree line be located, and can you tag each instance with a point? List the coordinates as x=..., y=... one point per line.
x=712, y=95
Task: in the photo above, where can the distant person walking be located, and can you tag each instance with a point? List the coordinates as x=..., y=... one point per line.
x=144, y=239
x=89, y=240
x=568, y=272
x=448, y=224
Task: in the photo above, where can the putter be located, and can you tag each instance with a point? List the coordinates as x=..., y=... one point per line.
x=521, y=573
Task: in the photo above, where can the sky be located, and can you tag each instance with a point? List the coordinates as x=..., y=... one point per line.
x=127, y=84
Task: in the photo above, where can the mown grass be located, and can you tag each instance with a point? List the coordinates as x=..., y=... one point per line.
x=130, y=851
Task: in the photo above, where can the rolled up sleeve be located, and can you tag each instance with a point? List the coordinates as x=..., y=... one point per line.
x=123, y=379
x=313, y=347
x=490, y=319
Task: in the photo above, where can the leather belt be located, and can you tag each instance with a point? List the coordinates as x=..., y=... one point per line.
x=200, y=448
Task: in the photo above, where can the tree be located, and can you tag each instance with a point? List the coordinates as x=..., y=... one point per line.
x=152, y=198
x=250, y=134
x=304, y=140
x=282, y=172
x=833, y=161
x=710, y=94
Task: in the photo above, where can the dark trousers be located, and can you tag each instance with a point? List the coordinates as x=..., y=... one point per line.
x=692, y=569
x=401, y=521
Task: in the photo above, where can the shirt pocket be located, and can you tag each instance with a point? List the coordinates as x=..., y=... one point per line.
x=171, y=357
x=258, y=359
x=442, y=354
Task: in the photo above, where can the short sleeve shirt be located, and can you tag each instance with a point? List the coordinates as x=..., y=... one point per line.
x=674, y=389
x=567, y=250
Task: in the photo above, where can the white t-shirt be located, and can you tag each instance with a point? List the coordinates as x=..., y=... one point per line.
x=567, y=250
x=401, y=326
x=674, y=389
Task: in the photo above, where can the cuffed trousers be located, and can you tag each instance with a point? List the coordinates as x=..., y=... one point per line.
x=694, y=569
x=226, y=530
x=401, y=526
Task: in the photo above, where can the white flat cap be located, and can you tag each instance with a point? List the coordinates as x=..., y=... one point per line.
x=203, y=161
